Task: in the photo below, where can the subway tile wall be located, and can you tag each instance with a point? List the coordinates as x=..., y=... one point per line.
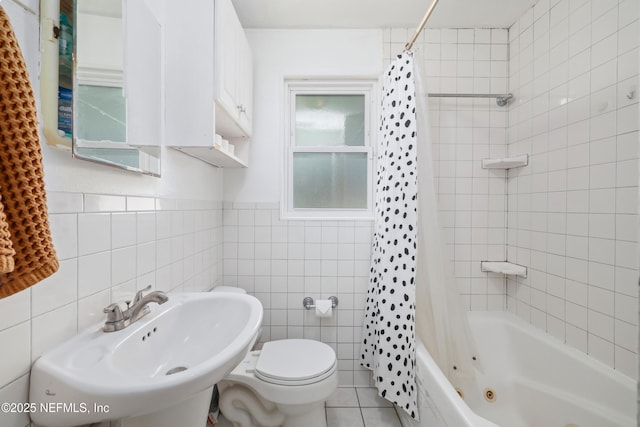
x=573, y=212
x=109, y=246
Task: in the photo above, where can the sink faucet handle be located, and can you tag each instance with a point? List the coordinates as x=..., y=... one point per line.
x=138, y=296
x=113, y=312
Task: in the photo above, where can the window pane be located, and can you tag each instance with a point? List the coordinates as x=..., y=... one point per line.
x=329, y=120
x=330, y=180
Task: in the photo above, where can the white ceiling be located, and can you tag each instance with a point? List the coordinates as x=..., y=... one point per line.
x=378, y=13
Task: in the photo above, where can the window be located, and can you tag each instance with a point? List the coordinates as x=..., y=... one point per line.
x=329, y=155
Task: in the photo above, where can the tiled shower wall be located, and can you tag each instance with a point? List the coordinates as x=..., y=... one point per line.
x=573, y=212
x=463, y=132
x=109, y=246
x=281, y=262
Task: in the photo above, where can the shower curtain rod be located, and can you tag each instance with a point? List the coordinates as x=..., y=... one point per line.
x=425, y=18
x=501, y=98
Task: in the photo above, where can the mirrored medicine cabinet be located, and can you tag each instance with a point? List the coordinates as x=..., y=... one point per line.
x=101, y=81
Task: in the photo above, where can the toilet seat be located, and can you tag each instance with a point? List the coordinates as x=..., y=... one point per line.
x=295, y=362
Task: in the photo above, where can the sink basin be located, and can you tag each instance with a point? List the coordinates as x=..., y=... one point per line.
x=180, y=349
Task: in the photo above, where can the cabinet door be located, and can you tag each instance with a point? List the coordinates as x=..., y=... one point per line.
x=234, y=74
x=226, y=45
x=245, y=85
x=143, y=76
x=189, y=73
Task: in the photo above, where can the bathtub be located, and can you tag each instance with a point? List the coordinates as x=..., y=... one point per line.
x=534, y=379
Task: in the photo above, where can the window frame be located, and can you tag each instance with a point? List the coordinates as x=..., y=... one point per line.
x=319, y=86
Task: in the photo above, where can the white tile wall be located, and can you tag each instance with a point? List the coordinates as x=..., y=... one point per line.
x=109, y=247
x=465, y=131
x=573, y=212
x=281, y=262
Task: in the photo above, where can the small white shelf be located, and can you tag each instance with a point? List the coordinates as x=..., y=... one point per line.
x=503, y=267
x=506, y=163
x=214, y=156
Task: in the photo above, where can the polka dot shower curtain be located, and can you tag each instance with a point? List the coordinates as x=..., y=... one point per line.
x=388, y=343
x=412, y=289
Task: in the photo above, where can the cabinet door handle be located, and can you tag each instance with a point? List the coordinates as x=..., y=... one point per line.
x=242, y=108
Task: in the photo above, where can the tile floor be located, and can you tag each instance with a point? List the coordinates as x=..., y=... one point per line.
x=360, y=407
x=354, y=407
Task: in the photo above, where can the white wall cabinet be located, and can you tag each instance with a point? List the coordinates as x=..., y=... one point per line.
x=208, y=80
x=189, y=67
x=234, y=74
x=143, y=77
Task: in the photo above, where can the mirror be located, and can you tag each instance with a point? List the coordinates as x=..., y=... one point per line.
x=107, y=89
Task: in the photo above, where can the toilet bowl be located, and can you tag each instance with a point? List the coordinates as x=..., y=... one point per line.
x=286, y=383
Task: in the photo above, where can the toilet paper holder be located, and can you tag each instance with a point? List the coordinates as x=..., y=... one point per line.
x=310, y=304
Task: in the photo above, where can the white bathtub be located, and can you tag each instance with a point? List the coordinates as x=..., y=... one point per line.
x=537, y=381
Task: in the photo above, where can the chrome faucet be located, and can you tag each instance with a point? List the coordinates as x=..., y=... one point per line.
x=139, y=308
x=118, y=319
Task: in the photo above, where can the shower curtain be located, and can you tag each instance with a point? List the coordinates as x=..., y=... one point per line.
x=412, y=289
x=388, y=343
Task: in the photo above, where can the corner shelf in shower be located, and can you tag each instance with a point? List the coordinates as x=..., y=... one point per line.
x=506, y=163
x=503, y=267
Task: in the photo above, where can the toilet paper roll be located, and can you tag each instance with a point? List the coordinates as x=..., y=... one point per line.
x=324, y=308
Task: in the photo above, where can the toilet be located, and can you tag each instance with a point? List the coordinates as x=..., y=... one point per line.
x=286, y=383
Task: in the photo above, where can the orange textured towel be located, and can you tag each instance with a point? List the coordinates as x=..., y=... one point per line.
x=26, y=249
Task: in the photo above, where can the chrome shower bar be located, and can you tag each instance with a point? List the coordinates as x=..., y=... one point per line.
x=502, y=99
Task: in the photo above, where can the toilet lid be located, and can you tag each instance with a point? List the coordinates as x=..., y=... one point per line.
x=295, y=361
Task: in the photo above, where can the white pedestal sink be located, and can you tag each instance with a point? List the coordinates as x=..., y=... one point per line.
x=159, y=371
